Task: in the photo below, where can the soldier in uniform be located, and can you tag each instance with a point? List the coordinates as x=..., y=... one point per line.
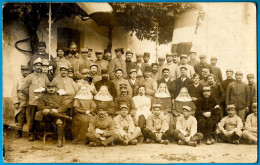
x=94, y=73
x=102, y=64
x=170, y=65
x=253, y=90
x=139, y=66
x=203, y=64
x=51, y=106
x=120, y=80
x=101, y=129
x=70, y=73
x=128, y=60
x=83, y=62
x=20, y=100
x=107, y=55
x=225, y=83
x=60, y=60
x=183, y=62
x=36, y=82
x=45, y=69
x=117, y=62
x=205, y=73
x=216, y=70
x=250, y=132
x=161, y=61
x=149, y=83
x=73, y=56
x=238, y=93
x=193, y=62
x=43, y=55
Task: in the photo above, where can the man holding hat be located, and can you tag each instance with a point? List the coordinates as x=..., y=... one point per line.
x=117, y=62
x=203, y=64
x=41, y=53
x=60, y=60
x=36, y=83
x=229, y=128
x=125, y=130
x=186, y=128
x=253, y=89
x=20, y=100
x=216, y=70
x=250, y=132
x=183, y=62
x=51, y=107
x=238, y=93
x=170, y=65
x=45, y=69
x=105, y=81
x=229, y=74
x=134, y=82
x=149, y=83
x=94, y=73
x=207, y=107
x=169, y=81
x=102, y=64
x=83, y=62
x=101, y=129
x=193, y=62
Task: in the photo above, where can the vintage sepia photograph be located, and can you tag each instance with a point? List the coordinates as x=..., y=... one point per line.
x=92, y=82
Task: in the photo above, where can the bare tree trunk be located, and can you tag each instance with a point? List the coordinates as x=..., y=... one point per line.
x=110, y=37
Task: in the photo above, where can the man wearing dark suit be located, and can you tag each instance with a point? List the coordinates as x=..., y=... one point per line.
x=134, y=83
x=169, y=81
x=182, y=81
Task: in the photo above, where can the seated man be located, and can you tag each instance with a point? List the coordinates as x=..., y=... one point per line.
x=125, y=130
x=50, y=107
x=157, y=127
x=186, y=128
x=229, y=128
x=250, y=132
x=101, y=129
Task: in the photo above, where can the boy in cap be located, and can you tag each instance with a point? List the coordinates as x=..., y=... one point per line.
x=60, y=60
x=238, y=93
x=157, y=127
x=94, y=73
x=149, y=83
x=45, y=69
x=125, y=130
x=120, y=80
x=102, y=64
x=20, y=100
x=170, y=65
x=186, y=128
x=183, y=80
x=183, y=62
x=101, y=129
x=252, y=89
x=203, y=64
x=250, y=131
x=36, y=83
x=51, y=107
x=229, y=128
x=133, y=81
x=117, y=62
x=216, y=70
x=207, y=106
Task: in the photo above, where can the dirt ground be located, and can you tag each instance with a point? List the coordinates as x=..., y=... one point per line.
x=22, y=151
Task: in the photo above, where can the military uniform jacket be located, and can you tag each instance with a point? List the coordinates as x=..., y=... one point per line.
x=73, y=59
x=198, y=68
x=172, y=67
x=171, y=85
x=82, y=63
x=61, y=61
x=105, y=124
x=157, y=123
x=218, y=92
x=226, y=82
x=42, y=56
x=238, y=93
x=52, y=101
x=126, y=100
x=253, y=93
x=231, y=123
x=190, y=70
x=102, y=64
x=114, y=64
x=217, y=74
x=122, y=123
x=110, y=86
x=117, y=83
x=34, y=81
x=207, y=105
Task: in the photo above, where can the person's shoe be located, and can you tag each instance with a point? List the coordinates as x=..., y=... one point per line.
x=192, y=143
x=31, y=137
x=125, y=143
x=235, y=141
x=149, y=141
x=208, y=142
x=133, y=142
x=164, y=142
x=19, y=134
x=59, y=143
x=181, y=142
x=92, y=144
x=212, y=141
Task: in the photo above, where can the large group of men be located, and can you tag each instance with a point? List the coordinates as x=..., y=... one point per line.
x=102, y=101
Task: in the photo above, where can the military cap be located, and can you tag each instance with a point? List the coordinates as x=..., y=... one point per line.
x=192, y=51
x=107, y=50
x=120, y=49
x=25, y=67
x=161, y=58
x=51, y=84
x=132, y=70
x=117, y=69
x=184, y=56
x=129, y=52
x=93, y=64
x=206, y=89
x=183, y=66
x=60, y=48
x=214, y=58
x=84, y=71
x=154, y=64
x=146, y=54
x=187, y=108
x=250, y=76
x=122, y=85
x=169, y=54
x=45, y=62
x=70, y=70
x=42, y=43
x=205, y=69
x=98, y=52
x=156, y=106
x=254, y=105
x=239, y=73
x=165, y=69
x=64, y=67
x=104, y=71
x=139, y=55
x=123, y=106
x=148, y=69
x=90, y=50
x=230, y=106
x=38, y=60
x=203, y=56
x=84, y=50
x=175, y=54
x=229, y=70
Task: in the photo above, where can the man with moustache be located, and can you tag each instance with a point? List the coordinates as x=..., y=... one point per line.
x=170, y=65
x=94, y=73
x=193, y=62
x=83, y=62
x=128, y=60
x=203, y=64
x=73, y=56
x=216, y=70
x=146, y=58
x=117, y=62
x=253, y=90
x=60, y=60
x=36, y=83
x=169, y=81
x=155, y=74
x=183, y=62
x=229, y=74
x=102, y=64
x=107, y=55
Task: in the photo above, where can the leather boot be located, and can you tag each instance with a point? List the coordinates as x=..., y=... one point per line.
x=197, y=137
x=58, y=115
x=60, y=132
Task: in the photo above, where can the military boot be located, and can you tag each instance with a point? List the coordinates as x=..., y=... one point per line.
x=60, y=132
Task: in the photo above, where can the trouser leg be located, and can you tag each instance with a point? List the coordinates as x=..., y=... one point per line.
x=135, y=134
x=21, y=116
x=31, y=123
x=234, y=136
x=168, y=135
x=224, y=137
x=141, y=122
x=179, y=136
x=208, y=126
x=148, y=134
x=249, y=136
x=60, y=132
x=242, y=114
